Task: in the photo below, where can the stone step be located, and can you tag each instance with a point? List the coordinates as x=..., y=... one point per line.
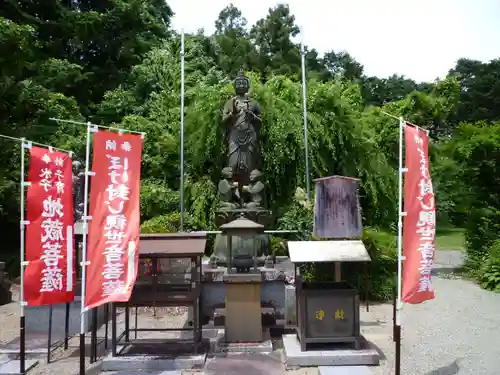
x=168, y=372
x=344, y=370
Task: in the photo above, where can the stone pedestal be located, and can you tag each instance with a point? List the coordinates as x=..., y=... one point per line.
x=243, y=308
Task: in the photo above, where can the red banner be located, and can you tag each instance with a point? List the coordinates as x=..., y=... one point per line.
x=49, y=277
x=114, y=230
x=419, y=230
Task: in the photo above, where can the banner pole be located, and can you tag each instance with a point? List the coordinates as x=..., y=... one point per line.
x=397, y=327
x=304, y=103
x=182, y=132
x=22, y=327
x=84, y=253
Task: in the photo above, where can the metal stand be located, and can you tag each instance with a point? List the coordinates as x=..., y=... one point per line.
x=49, y=341
x=94, y=340
x=155, y=290
x=50, y=346
x=66, y=327
x=22, y=345
x=396, y=333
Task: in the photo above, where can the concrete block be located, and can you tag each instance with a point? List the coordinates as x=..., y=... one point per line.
x=344, y=370
x=175, y=372
x=14, y=367
x=152, y=363
x=293, y=356
x=264, y=347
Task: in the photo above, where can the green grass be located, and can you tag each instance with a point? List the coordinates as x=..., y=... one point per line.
x=450, y=239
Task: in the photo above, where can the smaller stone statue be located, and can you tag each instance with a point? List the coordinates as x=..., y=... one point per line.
x=78, y=189
x=213, y=261
x=228, y=190
x=255, y=189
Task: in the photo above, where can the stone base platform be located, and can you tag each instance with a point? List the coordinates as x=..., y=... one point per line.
x=264, y=347
x=344, y=370
x=158, y=354
x=367, y=355
x=152, y=363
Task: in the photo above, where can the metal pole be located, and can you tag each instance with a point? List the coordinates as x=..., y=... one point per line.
x=49, y=337
x=22, y=330
x=66, y=327
x=400, y=219
x=397, y=327
x=182, y=131
x=306, y=133
x=84, y=253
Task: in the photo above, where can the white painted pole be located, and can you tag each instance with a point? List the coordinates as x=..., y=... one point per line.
x=400, y=223
x=304, y=103
x=85, y=218
x=182, y=132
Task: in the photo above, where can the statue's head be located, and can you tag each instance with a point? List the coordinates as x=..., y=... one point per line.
x=241, y=83
x=77, y=166
x=255, y=175
x=227, y=173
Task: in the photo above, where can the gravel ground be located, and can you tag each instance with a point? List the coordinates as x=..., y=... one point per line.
x=457, y=333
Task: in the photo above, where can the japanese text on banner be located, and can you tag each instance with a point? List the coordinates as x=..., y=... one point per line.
x=114, y=207
x=49, y=275
x=420, y=220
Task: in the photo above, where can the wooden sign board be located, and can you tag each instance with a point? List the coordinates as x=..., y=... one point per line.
x=337, y=213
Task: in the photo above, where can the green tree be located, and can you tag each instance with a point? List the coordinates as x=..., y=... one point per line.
x=272, y=37
x=479, y=90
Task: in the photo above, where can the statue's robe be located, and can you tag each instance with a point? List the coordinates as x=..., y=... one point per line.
x=243, y=129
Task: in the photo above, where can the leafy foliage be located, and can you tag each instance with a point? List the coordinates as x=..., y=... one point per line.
x=489, y=273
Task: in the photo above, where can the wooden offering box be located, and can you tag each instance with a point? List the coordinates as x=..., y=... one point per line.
x=327, y=312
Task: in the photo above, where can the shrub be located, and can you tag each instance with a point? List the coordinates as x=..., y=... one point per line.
x=162, y=224
x=277, y=245
x=157, y=199
x=482, y=230
x=489, y=275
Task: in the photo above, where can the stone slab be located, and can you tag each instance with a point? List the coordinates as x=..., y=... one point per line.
x=264, y=347
x=344, y=370
x=175, y=372
x=293, y=356
x=152, y=363
x=14, y=367
x=244, y=364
